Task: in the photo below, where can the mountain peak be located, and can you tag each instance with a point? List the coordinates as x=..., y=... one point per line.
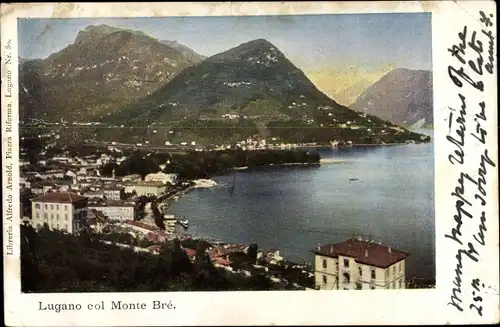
x=258, y=51
x=402, y=96
x=99, y=31
x=257, y=43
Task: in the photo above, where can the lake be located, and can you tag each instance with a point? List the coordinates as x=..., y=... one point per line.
x=294, y=208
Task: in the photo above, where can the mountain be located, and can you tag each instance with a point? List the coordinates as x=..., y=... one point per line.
x=185, y=51
x=105, y=69
x=253, y=79
x=402, y=96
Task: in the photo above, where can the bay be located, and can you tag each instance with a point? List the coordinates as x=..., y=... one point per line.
x=294, y=208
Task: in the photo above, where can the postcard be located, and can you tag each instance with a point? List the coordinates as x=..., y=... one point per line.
x=248, y=163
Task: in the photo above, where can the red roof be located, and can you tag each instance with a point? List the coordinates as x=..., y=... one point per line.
x=364, y=252
x=222, y=261
x=190, y=252
x=59, y=197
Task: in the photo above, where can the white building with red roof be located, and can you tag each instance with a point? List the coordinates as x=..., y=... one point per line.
x=60, y=211
x=360, y=265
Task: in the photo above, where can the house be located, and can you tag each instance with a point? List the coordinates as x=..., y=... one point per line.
x=116, y=210
x=113, y=192
x=158, y=237
x=53, y=173
x=37, y=188
x=150, y=188
x=132, y=178
x=59, y=210
x=70, y=174
x=161, y=177
x=359, y=264
x=93, y=194
x=273, y=256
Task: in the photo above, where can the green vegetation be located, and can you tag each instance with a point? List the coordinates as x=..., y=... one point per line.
x=56, y=262
x=195, y=165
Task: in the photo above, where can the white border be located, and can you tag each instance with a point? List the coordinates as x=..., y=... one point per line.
x=291, y=308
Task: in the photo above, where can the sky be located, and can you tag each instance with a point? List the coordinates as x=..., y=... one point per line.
x=351, y=45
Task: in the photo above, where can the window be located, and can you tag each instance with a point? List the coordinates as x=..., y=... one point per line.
x=57, y=217
x=46, y=206
x=325, y=279
x=66, y=207
x=37, y=205
x=400, y=265
x=347, y=278
x=66, y=216
x=359, y=286
x=394, y=270
x=324, y=263
x=360, y=271
x=57, y=206
x=400, y=283
x=51, y=216
x=346, y=262
x=51, y=207
x=373, y=273
x=37, y=215
x=45, y=216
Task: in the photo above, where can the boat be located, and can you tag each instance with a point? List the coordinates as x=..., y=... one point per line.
x=352, y=179
x=183, y=222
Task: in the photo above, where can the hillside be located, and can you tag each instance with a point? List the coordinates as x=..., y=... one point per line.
x=402, y=96
x=105, y=69
x=187, y=52
x=252, y=79
x=249, y=90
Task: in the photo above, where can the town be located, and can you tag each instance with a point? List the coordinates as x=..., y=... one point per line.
x=76, y=193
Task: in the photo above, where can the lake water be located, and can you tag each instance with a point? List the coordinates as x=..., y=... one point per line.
x=294, y=208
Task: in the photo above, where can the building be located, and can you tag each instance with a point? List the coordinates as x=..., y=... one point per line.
x=161, y=177
x=359, y=264
x=132, y=178
x=115, y=210
x=150, y=188
x=274, y=255
x=64, y=211
x=113, y=192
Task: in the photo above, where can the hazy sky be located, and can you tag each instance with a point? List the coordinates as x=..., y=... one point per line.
x=310, y=41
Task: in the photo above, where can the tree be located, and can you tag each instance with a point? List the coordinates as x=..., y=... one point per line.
x=252, y=253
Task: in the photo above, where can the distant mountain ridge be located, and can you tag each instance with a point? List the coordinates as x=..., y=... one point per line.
x=252, y=79
x=402, y=96
x=105, y=69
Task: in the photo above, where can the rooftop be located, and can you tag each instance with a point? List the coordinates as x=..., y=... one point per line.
x=149, y=183
x=59, y=197
x=365, y=252
x=112, y=204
